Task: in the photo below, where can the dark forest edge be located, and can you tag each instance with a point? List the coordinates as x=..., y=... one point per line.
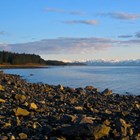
x=10, y=59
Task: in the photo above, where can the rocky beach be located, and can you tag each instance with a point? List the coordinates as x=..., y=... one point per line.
x=37, y=111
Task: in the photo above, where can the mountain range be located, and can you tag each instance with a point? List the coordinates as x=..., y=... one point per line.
x=103, y=62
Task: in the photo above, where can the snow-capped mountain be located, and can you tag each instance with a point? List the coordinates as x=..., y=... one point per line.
x=103, y=62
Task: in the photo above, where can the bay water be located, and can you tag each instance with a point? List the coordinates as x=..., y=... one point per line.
x=120, y=79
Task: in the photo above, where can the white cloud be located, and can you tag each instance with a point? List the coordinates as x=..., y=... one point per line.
x=87, y=22
x=137, y=35
x=63, y=45
x=69, y=45
x=57, y=10
x=2, y=33
x=125, y=36
x=121, y=15
x=54, y=10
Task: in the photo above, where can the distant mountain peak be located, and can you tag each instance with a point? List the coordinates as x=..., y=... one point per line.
x=114, y=62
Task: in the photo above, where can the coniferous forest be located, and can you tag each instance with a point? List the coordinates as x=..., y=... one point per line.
x=10, y=58
x=19, y=59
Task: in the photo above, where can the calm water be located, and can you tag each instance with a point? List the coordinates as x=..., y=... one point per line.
x=120, y=79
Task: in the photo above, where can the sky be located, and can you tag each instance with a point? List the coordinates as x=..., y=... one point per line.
x=71, y=29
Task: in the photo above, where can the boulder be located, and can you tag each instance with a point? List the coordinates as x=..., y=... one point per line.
x=101, y=131
x=2, y=101
x=78, y=108
x=69, y=118
x=57, y=138
x=4, y=138
x=21, y=112
x=33, y=106
x=12, y=137
x=1, y=88
x=90, y=88
x=84, y=130
x=87, y=120
x=122, y=127
x=23, y=136
x=20, y=97
x=61, y=87
x=107, y=92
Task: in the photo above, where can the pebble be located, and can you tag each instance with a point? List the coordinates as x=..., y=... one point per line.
x=23, y=136
x=21, y=112
x=33, y=106
x=2, y=101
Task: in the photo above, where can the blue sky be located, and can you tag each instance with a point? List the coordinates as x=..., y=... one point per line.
x=71, y=29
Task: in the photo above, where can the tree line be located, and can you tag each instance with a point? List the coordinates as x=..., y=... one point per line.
x=23, y=59
x=19, y=59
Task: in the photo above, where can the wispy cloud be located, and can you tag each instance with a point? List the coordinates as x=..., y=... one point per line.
x=88, y=22
x=137, y=35
x=132, y=42
x=76, y=13
x=121, y=15
x=57, y=10
x=2, y=33
x=69, y=45
x=54, y=10
x=63, y=45
x=125, y=36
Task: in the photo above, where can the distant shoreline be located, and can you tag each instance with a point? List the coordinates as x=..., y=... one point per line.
x=22, y=66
